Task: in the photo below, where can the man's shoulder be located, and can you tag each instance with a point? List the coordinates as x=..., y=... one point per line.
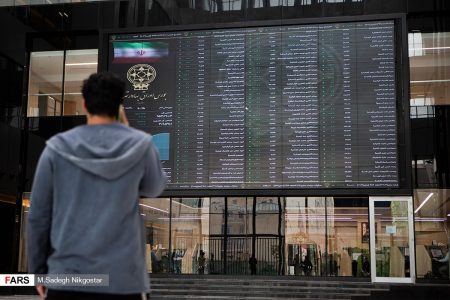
x=68, y=133
x=85, y=137
x=118, y=128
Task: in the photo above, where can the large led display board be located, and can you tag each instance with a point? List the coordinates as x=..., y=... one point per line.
x=292, y=107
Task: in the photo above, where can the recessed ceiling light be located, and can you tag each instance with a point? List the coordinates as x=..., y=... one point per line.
x=82, y=64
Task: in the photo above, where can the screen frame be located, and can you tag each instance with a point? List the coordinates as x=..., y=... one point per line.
x=402, y=103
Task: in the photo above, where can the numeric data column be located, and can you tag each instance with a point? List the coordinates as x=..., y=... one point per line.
x=350, y=103
x=191, y=111
x=338, y=112
x=227, y=110
x=263, y=134
x=300, y=112
x=202, y=118
x=273, y=79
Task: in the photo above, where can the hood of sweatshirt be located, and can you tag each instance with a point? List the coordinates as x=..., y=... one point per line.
x=107, y=150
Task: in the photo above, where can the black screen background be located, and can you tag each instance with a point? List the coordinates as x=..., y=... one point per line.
x=266, y=107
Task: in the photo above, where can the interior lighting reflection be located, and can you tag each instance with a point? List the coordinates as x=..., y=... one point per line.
x=415, y=219
x=428, y=48
x=430, y=81
x=398, y=219
x=182, y=204
x=82, y=64
x=329, y=215
x=318, y=218
x=187, y=218
x=423, y=203
x=154, y=208
x=431, y=219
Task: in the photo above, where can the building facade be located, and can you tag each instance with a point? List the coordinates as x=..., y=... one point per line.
x=49, y=47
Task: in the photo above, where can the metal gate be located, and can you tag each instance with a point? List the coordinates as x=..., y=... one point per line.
x=268, y=252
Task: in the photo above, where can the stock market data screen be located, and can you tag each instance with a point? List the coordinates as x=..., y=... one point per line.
x=274, y=107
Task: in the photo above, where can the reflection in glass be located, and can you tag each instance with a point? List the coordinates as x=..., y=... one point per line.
x=190, y=224
x=327, y=236
x=23, y=259
x=196, y=236
x=391, y=239
x=429, y=60
x=348, y=237
x=215, y=254
x=429, y=55
x=267, y=242
x=79, y=65
x=45, y=83
x=319, y=236
x=267, y=215
x=305, y=235
x=231, y=4
x=155, y=213
x=432, y=232
x=240, y=215
x=217, y=215
x=239, y=232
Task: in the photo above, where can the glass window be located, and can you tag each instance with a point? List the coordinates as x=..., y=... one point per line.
x=305, y=235
x=275, y=2
x=432, y=227
x=79, y=65
x=217, y=215
x=240, y=215
x=429, y=56
x=197, y=243
x=259, y=3
x=216, y=239
x=23, y=259
x=327, y=236
x=232, y=4
x=348, y=237
x=267, y=215
x=391, y=239
x=190, y=229
x=45, y=90
x=429, y=67
x=156, y=219
x=268, y=227
x=45, y=83
x=240, y=230
x=291, y=2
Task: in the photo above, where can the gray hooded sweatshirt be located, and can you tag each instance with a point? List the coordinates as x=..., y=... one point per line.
x=84, y=216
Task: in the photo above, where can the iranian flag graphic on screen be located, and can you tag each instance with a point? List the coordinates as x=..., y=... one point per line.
x=139, y=52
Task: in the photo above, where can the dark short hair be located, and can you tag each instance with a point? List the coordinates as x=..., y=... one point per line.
x=103, y=94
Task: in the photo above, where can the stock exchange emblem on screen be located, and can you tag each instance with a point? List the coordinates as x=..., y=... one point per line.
x=141, y=76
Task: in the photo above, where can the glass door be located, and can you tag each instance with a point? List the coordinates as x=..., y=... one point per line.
x=391, y=239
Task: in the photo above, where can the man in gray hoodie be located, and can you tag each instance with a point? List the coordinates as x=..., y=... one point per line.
x=84, y=216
